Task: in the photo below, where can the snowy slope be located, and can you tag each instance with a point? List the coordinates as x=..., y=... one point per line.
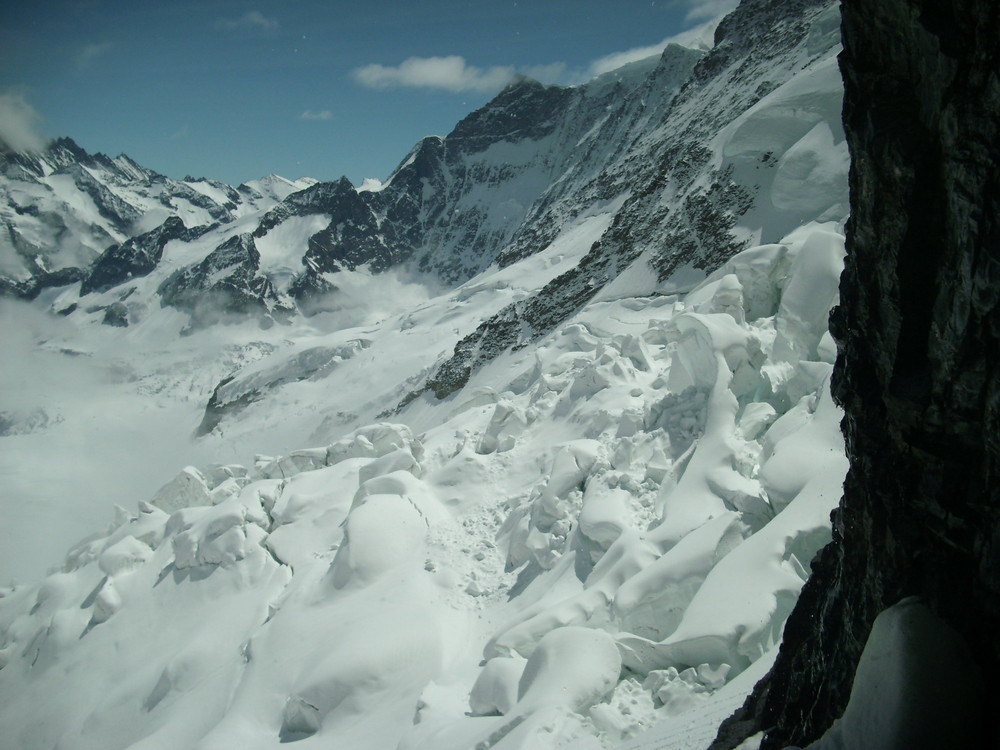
x=616, y=521
x=567, y=469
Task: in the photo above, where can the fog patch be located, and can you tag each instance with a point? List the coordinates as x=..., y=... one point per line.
x=19, y=123
x=362, y=298
x=84, y=430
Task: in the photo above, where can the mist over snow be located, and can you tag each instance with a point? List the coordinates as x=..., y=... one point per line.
x=102, y=429
x=19, y=123
x=365, y=299
x=84, y=431
x=528, y=446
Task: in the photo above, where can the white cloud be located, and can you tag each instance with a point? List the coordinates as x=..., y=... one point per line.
x=91, y=52
x=617, y=59
x=310, y=115
x=450, y=73
x=19, y=123
x=697, y=37
x=545, y=73
x=703, y=10
x=252, y=19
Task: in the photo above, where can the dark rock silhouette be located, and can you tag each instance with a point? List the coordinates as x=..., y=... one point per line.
x=919, y=366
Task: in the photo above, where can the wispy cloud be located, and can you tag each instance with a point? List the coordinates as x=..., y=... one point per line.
x=453, y=73
x=321, y=115
x=617, y=59
x=449, y=73
x=19, y=123
x=181, y=132
x=698, y=37
x=252, y=20
x=703, y=10
x=91, y=52
x=545, y=73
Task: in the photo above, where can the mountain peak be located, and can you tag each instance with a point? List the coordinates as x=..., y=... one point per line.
x=522, y=110
x=63, y=151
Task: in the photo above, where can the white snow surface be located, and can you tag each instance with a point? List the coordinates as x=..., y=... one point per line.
x=917, y=685
x=594, y=544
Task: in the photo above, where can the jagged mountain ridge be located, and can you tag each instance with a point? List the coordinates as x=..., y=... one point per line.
x=499, y=187
x=64, y=208
x=694, y=156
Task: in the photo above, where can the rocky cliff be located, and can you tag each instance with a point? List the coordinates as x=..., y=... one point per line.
x=919, y=337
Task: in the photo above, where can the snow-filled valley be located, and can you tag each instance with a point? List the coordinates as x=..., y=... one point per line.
x=306, y=527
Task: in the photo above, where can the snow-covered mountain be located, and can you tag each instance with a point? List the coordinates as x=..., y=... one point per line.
x=568, y=368
x=64, y=207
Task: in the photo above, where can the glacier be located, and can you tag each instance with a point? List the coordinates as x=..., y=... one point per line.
x=529, y=446
x=562, y=505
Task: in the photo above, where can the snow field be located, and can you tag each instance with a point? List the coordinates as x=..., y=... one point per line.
x=598, y=536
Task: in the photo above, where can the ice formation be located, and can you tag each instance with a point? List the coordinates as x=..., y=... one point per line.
x=597, y=536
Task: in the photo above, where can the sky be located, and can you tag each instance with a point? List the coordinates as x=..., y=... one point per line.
x=234, y=90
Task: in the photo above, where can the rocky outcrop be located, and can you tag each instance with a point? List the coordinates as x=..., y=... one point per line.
x=227, y=282
x=684, y=199
x=137, y=256
x=220, y=212
x=238, y=391
x=919, y=367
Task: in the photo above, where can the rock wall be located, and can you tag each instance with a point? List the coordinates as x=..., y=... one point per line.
x=919, y=367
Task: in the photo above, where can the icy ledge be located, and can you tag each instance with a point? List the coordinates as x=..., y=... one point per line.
x=597, y=536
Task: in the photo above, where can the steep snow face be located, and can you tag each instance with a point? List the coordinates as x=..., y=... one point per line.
x=599, y=535
x=697, y=185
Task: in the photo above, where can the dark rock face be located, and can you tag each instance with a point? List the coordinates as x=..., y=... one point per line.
x=919, y=366
x=42, y=280
x=681, y=210
x=116, y=314
x=321, y=198
x=137, y=256
x=524, y=110
x=225, y=283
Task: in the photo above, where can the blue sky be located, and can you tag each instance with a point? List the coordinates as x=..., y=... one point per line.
x=234, y=90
